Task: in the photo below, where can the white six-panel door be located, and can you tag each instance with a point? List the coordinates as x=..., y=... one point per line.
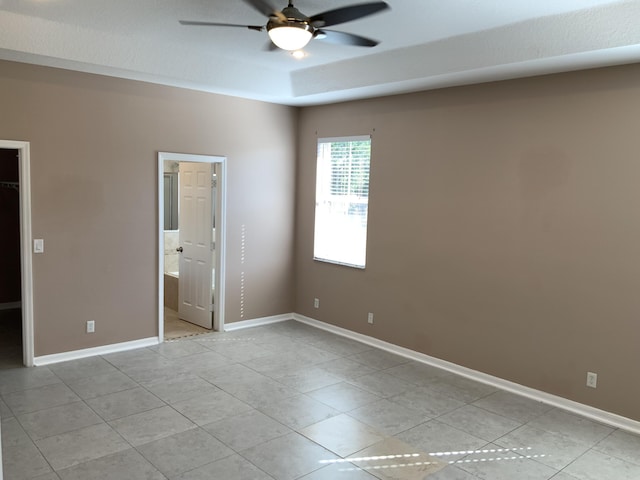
x=195, y=295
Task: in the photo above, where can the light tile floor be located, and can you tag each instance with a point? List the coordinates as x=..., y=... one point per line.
x=288, y=401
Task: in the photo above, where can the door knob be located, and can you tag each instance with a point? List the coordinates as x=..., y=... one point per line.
x=179, y=249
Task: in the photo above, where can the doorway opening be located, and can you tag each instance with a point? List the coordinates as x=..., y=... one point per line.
x=191, y=239
x=16, y=292
x=10, y=280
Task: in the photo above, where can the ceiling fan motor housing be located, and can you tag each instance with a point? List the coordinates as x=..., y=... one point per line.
x=294, y=18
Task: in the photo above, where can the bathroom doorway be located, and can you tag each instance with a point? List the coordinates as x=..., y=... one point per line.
x=191, y=253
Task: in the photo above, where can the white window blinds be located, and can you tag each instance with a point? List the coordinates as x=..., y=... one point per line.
x=342, y=200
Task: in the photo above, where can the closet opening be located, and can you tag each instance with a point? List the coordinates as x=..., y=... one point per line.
x=11, y=352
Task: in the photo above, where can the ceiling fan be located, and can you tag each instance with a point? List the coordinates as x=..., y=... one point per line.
x=289, y=29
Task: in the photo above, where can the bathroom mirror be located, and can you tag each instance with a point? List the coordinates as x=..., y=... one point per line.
x=171, y=200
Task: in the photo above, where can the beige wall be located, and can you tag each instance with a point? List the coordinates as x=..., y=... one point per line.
x=504, y=234
x=94, y=143
x=504, y=230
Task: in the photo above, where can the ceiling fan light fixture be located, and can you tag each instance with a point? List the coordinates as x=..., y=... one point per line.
x=291, y=37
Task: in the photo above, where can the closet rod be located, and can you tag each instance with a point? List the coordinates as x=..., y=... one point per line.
x=14, y=185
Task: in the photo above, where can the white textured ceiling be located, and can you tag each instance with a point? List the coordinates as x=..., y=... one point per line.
x=424, y=44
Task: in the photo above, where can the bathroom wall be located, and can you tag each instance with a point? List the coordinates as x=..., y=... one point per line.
x=171, y=256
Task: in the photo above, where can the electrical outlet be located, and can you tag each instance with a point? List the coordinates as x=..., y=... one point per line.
x=592, y=379
x=370, y=318
x=91, y=326
x=316, y=303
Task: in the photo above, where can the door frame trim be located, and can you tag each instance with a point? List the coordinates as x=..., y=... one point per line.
x=26, y=258
x=221, y=228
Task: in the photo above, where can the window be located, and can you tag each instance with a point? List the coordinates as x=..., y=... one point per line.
x=342, y=200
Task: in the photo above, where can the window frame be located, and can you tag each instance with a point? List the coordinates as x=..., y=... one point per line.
x=321, y=258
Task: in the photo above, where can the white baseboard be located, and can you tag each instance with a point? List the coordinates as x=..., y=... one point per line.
x=90, y=352
x=581, y=409
x=10, y=306
x=257, y=322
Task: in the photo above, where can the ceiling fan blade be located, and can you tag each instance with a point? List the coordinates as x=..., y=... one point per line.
x=266, y=9
x=343, y=38
x=346, y=14
x=259, y=28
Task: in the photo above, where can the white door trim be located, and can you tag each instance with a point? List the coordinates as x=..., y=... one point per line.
x=220, y=240
x=25, y=247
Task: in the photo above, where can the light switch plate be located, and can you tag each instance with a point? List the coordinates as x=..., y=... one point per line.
x=38, y=245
